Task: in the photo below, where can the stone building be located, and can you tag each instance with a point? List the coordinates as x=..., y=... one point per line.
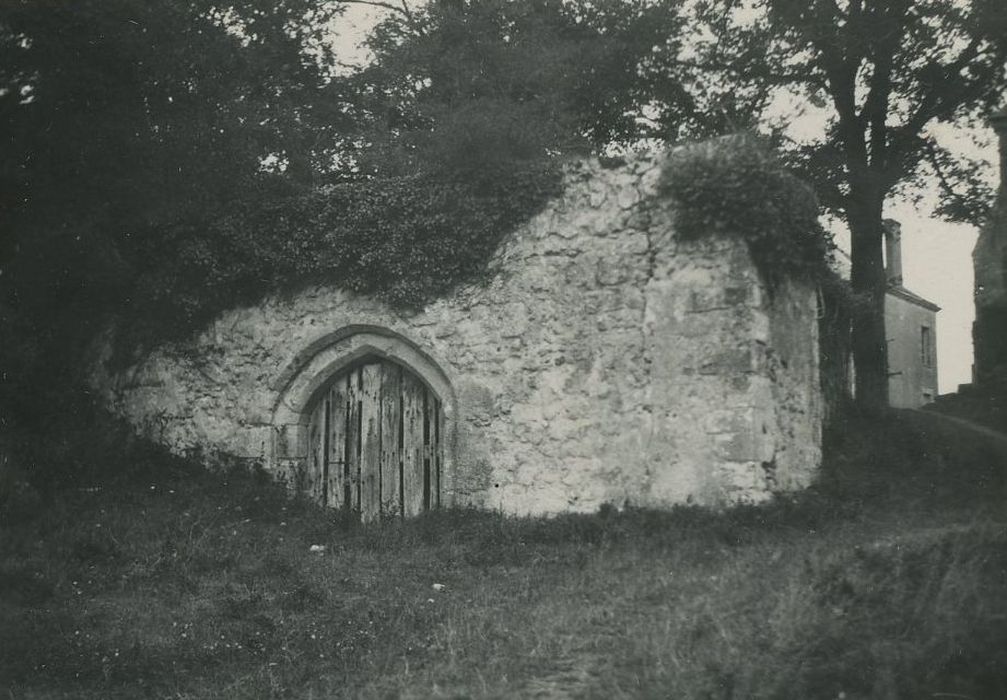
x=910, y=331
x=989, y=259
x=604, y=360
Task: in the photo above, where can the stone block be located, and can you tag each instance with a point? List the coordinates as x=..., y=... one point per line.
x=728, y=362
x=253, y=442
x=733, y=296
x=291, y=441
x=478, y=402
x=611, y=272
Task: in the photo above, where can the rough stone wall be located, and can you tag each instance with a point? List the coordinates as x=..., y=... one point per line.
x=605, y=361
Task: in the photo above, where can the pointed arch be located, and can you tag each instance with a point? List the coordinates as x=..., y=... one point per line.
x=311, y=371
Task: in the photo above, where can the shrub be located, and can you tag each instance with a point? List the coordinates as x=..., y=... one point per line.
x=736, y=186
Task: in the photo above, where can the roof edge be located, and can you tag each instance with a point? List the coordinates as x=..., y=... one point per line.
x=903, y=293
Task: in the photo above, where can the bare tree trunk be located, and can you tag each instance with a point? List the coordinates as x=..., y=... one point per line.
x=870, y=351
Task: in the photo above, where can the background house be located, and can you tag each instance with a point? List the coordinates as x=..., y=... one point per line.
x=911, y=333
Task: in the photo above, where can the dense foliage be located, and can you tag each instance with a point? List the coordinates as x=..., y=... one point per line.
x=166, y=160
x=480, y=81
x=453, y=137
x=122, y=119
x=402, y=239
x=737, y=187
x=123, y=122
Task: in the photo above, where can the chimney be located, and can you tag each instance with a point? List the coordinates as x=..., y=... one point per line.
x=893, y=251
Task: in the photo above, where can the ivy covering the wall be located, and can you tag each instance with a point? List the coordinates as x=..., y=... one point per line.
x=736, y=186
x=410, y=239
x=406, y=240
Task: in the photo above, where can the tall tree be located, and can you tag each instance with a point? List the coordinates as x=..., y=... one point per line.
x=888, y=70
x=122, y=119
x=125, y=125
x=471, y=84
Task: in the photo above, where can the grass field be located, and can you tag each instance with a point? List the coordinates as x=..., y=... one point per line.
x=888, y=580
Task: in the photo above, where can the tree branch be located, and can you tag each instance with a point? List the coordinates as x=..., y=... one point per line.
x=876, y=104
x=942, y=179
x=772, y=77
x=403, y=10
x=937, y=101
x=842, y=82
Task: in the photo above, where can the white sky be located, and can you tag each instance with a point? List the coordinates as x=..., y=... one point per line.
x=350, y=29
x=936, y=256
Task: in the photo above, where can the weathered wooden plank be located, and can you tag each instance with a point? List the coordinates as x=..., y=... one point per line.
x=314, y=478
x=412, y=445
x=391, y=400
x=323, y=457
x=336, y=491
x=376, y=443
x=438, y=452
x=370, y=442
x=427, y=447
x=353, y=440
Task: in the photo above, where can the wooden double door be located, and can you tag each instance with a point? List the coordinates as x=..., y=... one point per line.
x=375, y=442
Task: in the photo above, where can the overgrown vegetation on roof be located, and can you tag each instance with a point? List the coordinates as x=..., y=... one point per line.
x=403, y=239
x=736, y=186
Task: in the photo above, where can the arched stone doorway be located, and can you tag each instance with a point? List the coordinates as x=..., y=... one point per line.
x=364, y=420
x=374, y=442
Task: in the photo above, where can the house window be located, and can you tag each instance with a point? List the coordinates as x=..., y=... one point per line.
x=926, y=346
